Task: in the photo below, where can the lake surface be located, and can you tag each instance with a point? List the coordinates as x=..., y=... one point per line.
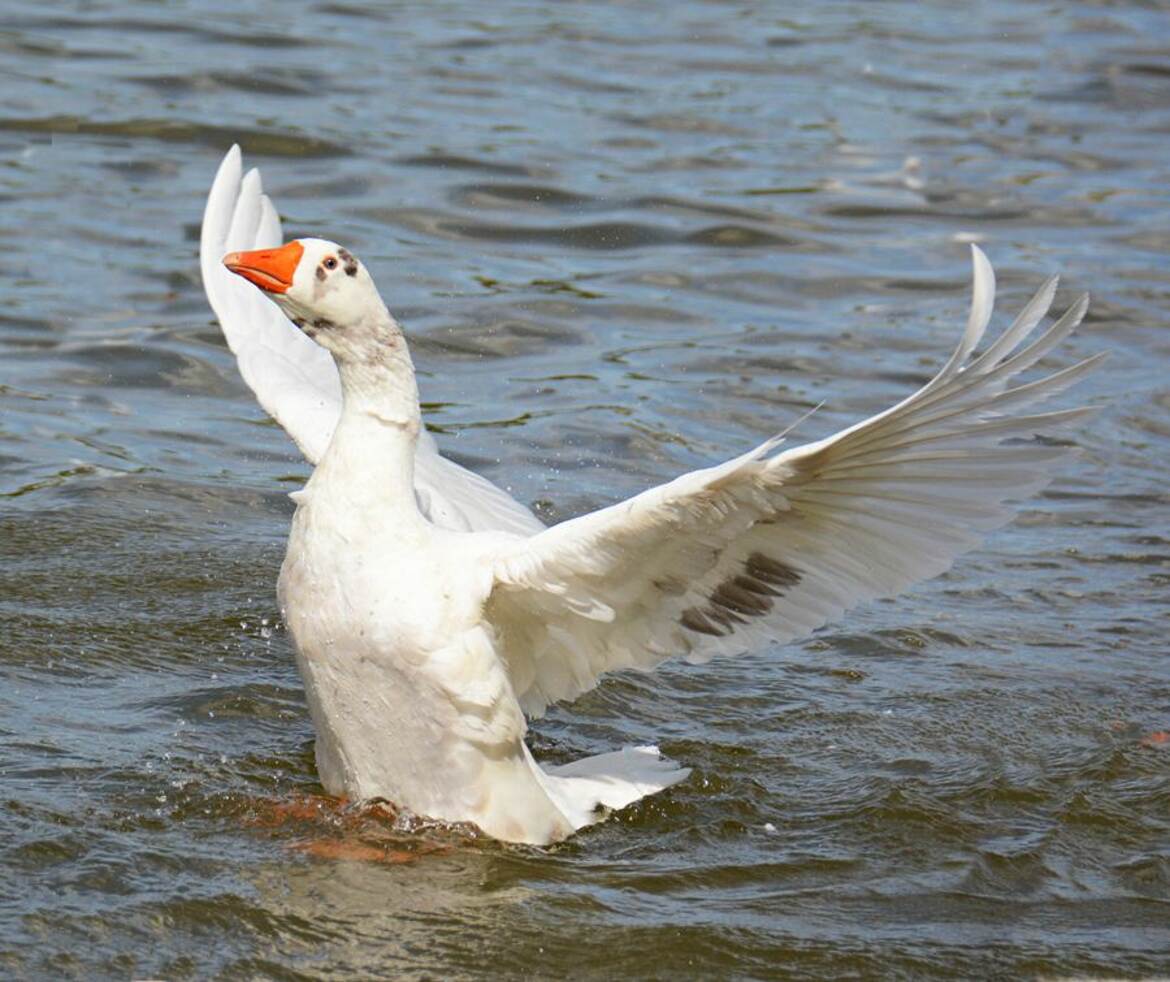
x=627, y=240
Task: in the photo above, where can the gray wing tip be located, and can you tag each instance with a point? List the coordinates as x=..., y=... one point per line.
x=1076, y=312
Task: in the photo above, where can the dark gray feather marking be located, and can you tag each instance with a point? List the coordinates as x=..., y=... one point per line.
x=772, y=571
x=751, y=593
x=321, y=274
x=752, y=585
x=732, y=596
x=693, y=618
x=351, y=264
x=324, y=324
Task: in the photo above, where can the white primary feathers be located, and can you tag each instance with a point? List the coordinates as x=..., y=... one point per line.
x=425, y=622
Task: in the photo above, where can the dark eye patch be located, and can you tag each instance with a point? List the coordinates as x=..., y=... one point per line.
x=351, y=264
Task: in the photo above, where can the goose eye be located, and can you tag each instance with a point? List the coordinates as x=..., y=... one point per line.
x=330, y=263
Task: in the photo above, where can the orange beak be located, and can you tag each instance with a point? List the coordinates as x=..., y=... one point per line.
x=269, y=269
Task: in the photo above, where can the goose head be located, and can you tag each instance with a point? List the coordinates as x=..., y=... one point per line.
x=322, y=288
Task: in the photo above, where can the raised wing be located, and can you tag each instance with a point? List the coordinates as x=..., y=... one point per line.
x=296, y=381
x=770, y=546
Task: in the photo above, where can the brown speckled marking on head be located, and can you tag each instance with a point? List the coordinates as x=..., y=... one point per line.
x=321, y=274
x=351, y=265
x=751, y=593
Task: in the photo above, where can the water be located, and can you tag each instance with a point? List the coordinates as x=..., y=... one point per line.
x=627, y=240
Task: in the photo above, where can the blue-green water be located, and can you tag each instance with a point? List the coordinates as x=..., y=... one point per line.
x=627, y=240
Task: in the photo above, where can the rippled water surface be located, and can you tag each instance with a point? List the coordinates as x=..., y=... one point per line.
x=627, y=239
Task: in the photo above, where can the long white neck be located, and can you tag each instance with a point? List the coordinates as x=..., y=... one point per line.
x=372, y=450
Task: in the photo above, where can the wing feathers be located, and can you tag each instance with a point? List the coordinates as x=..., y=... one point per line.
x=1024, y=324
x=1068, y=323
x=982, y=301
x=776, y=544
x=268, y=233
x=969, y=407
x=246, y=218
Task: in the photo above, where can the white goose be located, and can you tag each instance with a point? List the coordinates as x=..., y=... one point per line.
x=431, y=612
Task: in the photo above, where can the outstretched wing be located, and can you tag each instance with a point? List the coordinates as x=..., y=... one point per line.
x=296, y=381
x=771, y=546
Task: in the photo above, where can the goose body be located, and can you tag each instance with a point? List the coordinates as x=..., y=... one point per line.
x=431, y=613
x=409, y=699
